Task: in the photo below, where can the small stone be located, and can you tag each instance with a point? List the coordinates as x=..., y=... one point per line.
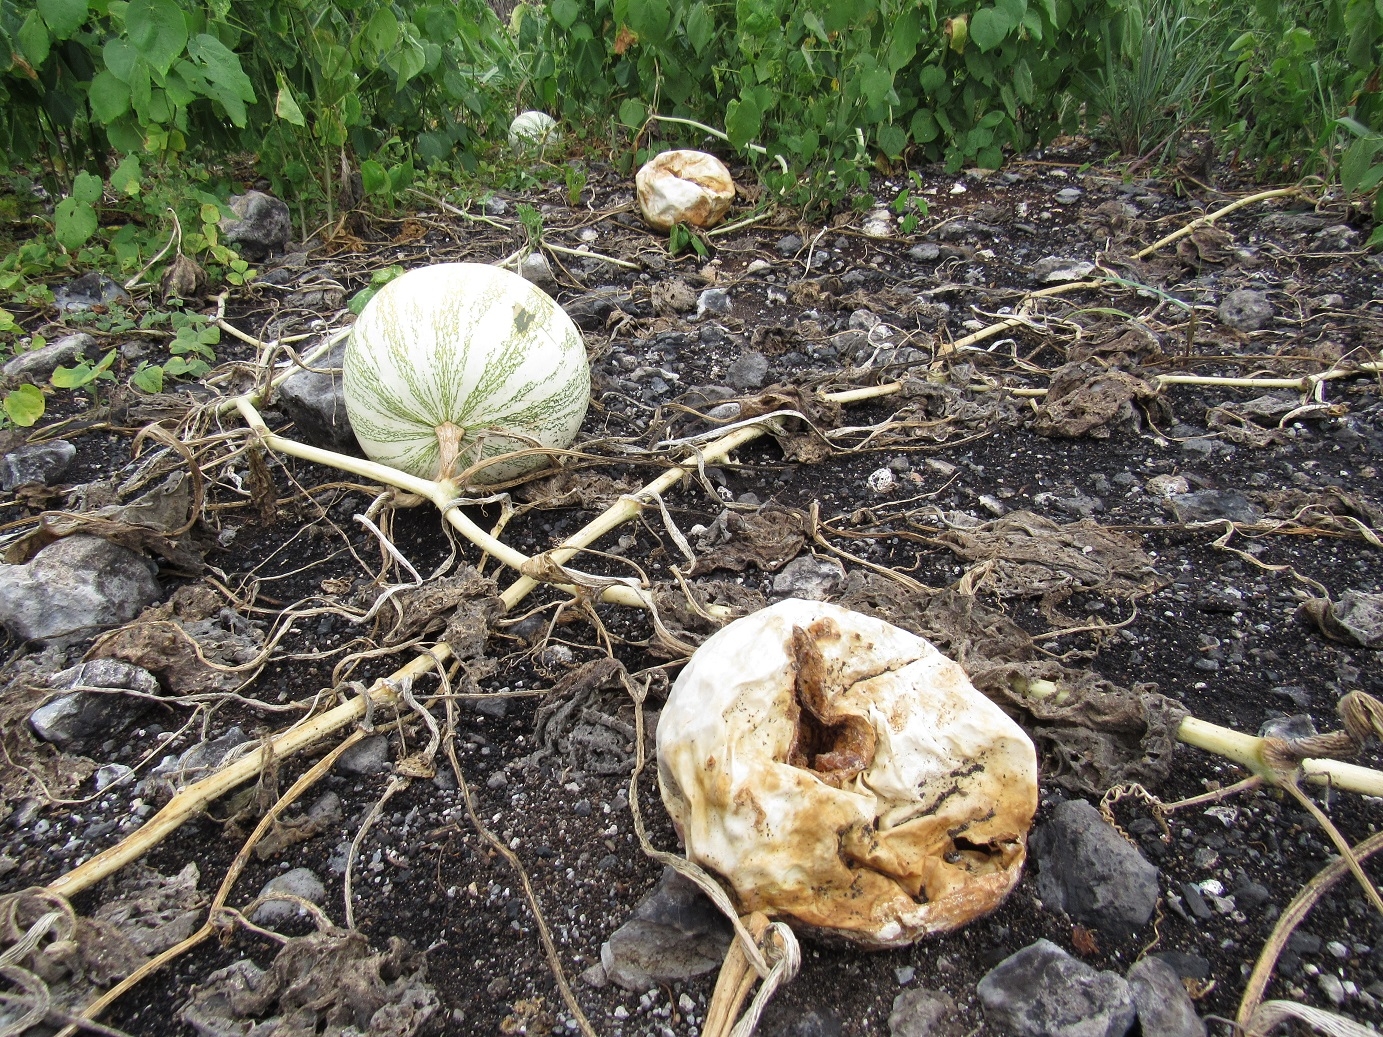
x=1288, y=728
x=261, y=227
x=75, y=587
x=316, y=402
x=675, y=933
x=993, y=505
x=881, y=481
x=497, y=780
x=1337, y=950
x=1246, y=310
x=1195, y=902
x=1044, y=992
x=878, y=224
x=300, y=882
x=1213, y=505
x=366, y=757
x=758, y=266
x=36, y=463
x=1060, y=269
x=1068, y=196
x=38, y=364
x=925, y=1013
x=88, y=291
x=750, y=371
x=111, y=775
x=927, y=252
x=1331, y=987
x=714, y=301
x=904, y=974
x=535, y=267
x=789, y=245
x=809, y=577
x=1164, y=1008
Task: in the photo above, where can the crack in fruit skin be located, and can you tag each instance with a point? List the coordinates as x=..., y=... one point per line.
x=834, y=745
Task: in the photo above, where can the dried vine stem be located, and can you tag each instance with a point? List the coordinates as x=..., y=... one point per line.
x=1208, y=218
x=1297, y=910
x=313, y=775
x=193, y=799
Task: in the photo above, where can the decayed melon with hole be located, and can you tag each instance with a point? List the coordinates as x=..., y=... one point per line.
x=452, y=364
x=843, y=775
x=683, y=187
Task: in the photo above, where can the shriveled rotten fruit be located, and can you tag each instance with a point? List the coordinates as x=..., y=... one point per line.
x=842, y=774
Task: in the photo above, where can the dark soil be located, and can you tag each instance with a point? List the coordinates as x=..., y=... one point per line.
x=1214, y=625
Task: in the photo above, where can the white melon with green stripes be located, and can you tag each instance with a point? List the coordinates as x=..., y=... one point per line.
x=464, y=346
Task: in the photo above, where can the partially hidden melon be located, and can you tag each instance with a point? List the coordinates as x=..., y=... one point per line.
x=454, y=363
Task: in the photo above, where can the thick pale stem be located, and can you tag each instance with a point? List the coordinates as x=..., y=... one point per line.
x=442, y=494
x=1247, y=750
x=194, y=799
x=628, y=507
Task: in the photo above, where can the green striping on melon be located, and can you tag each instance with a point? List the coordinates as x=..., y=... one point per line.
x=454, y=363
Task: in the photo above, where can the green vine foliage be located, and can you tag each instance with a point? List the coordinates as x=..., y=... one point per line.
x=826, y=83
x=303, y=84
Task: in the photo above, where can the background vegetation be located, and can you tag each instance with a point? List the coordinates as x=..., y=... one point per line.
x=116, y=116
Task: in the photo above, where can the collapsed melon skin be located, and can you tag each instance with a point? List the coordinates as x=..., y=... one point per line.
x=928, y=835
x=471, y=345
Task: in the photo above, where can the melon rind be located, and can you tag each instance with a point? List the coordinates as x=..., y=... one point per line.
x=469, y=344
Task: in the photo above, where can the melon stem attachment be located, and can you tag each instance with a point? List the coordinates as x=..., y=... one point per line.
x=449, y=436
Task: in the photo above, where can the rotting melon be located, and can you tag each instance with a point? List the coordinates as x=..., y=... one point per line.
x=458, y=362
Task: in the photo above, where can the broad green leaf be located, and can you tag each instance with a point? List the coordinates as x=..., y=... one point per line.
x=1022, y=80
x=121, y=58
x=149, y=378
x=373, y=177
x=875, y=85
x=907, y=31
x=565, y=12
x=125, y=179
x=226, y=80
x=632, y=112
x=74, y=222
x=34, y=40
x=72, y=377
x=382, y=32
x=931, y=79
x=64, y=17
x=989, y=27
x=87, y=188
x=1357, y=160
x=892, y=139
x=408, y=59
x=7, y=321
x=25, y=405
x=109, y=98
x=650, y=19
x=699, y=27
x=285, y=107
x=158, y=30
x=924, y=128
x=1012, y=10
x=813, y=23
x=743, y=120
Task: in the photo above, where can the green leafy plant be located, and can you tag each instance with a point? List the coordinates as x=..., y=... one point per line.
x=576, y=183
x=85, y=375
x=24, y=405
x=532, y=222
x=1159, y=59
x=681, y=237
x=378, y=280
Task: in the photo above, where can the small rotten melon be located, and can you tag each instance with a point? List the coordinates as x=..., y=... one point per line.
x=843, y=775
